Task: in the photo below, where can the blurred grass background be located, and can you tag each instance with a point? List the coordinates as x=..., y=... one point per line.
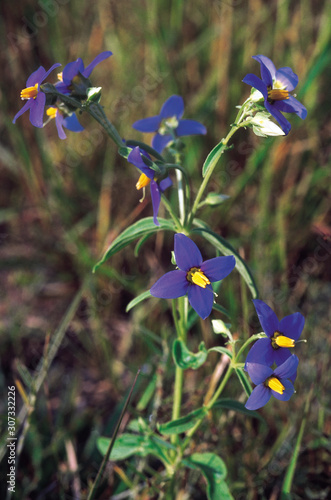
x=62, y=202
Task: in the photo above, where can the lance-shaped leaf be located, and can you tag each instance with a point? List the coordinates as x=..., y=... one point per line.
x=244, y=381
x=232, y=404
x=214, y=156
x=183, y=424
x=214, y=470
x=226, y=249
x=128, y=445
x=186, y=359
x=137, y=300
x=131, y=233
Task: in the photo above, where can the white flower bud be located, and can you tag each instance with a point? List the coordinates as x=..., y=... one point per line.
x=264, y=127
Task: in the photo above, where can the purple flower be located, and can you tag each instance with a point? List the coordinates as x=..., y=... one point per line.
x=70, y=122
x=275, y=87
x=271, y=382
x=280, y=336
x=72, y=70
x=169, y=124
x=193, y=276
x=36, y=99
x=148, y=176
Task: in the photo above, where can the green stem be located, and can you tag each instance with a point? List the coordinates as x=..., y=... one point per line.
x=249, y=341
x=180, y=325
x=208, y=407
x=209, y=174
x=221, y=386
x=111, y=443
x=97, y=112
x=287, y=485
x=187, y=186
x=237, y=124
x=171, y=213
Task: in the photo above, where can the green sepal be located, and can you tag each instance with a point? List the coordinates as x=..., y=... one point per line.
x=244, y=381
x=226, y=249
x=134, y=302
x=214, y=199
x=185, y=359
x=133, y=232
x=233, y=405
x=214, y=470
x=182, y=424
x=214, y=156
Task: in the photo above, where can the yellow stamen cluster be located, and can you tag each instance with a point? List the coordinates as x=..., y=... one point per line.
x=197, y=277
x=283, y=341
x=278, y=94
x=279, y=340
x=60, y=77
x=143, y=181
x=275, y=385
x=30, y=92
x=51, y=112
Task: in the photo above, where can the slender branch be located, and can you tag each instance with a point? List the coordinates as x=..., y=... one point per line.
x=112, y=442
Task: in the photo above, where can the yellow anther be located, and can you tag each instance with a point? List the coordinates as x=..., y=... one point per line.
x=283, y=341
x=51, y=112
x=198, y=278
x=60, y=77
x=275, y=385
x=278, y=94
x=143, y=181
x=30, y=92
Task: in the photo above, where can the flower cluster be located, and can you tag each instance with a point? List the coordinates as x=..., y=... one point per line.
x=270, y=363
x=274, y=349
x=74, y=81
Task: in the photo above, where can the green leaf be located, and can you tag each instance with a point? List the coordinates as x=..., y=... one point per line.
x=182, y=424
x=232, y=404
x=140, y=243
x=186, y=359
x=131, y=233
x=137, y=300
x=221, y=350
x=127, y=445
x=221, y=309
x=226, y=249
x=147, y=394
x=213, y=157
x=244, y=381
x=214, y=470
